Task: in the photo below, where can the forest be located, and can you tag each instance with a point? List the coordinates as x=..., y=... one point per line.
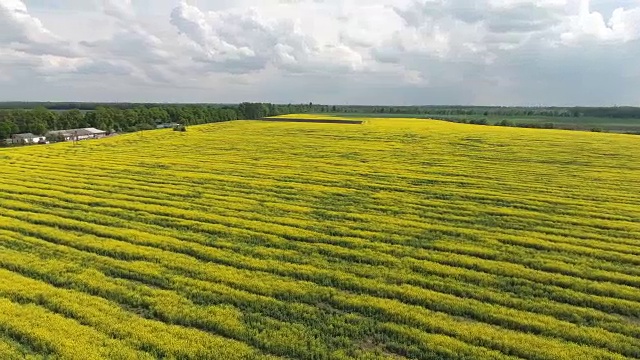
x=41, y=119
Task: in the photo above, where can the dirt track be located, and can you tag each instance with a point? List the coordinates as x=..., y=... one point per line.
x=317, y=121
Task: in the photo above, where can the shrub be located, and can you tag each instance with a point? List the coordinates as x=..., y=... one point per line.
x=505, y=123
x=536, y=125
x=479, y=122
x=145, y=126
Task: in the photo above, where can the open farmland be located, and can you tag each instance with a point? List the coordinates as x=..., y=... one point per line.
x=588, y=123
x=395, y=239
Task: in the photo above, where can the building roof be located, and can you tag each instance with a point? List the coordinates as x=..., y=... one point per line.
x=61, y=132
x=78, y=132
x=83, y=132
x=26, y=136
x=95, y=131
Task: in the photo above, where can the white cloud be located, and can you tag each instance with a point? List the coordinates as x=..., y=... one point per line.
x=120, y=9
x=624, y=25
x=245, y=40
x=131, y=50
x=21, y=31
x=18, y=25
x=413, y=51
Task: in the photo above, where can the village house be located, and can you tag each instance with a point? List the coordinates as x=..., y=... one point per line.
x=27, y=138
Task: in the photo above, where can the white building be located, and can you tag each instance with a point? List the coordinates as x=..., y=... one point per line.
x=28, y=138
x=95, y=133
x=77, y=134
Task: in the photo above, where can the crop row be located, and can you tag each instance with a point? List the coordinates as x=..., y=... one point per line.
x=234, y=223
x=407, y=295
x=254, y=240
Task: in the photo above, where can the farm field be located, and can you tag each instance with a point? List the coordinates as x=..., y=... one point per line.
x=617, y=125
x=394, y=239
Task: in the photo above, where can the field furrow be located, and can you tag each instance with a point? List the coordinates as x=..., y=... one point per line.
x=395, y=239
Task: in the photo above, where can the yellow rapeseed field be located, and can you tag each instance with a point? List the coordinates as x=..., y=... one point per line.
x=397, y=238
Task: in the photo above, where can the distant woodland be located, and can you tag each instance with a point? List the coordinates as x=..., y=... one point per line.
x=611, y=112
x=40, y=117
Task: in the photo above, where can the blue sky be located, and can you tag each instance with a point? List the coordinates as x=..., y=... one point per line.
x=500, y=52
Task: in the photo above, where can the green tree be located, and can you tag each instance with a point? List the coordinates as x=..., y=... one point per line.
x=71, y=119
x=129, y=120
x=6, y=130
x=42, y=115
x=103, y=118
x=253, y=110
x=38, y=127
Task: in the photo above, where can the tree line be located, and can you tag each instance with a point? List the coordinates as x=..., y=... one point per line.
x=452, y=110
x=576, y=112
x=40, y=120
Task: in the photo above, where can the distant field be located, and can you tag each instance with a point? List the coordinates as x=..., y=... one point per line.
x=312, y=120
x=572, y=123
x=393, y=239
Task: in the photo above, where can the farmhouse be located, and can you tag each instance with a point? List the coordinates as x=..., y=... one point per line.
x=28, y=138
x=77, y=134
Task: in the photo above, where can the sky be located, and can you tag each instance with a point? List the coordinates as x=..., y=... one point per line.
x=392, y=52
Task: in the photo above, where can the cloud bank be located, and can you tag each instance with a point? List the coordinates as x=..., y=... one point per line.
x=552, y=52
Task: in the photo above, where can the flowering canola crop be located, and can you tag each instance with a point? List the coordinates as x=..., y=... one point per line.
x=397, y=238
